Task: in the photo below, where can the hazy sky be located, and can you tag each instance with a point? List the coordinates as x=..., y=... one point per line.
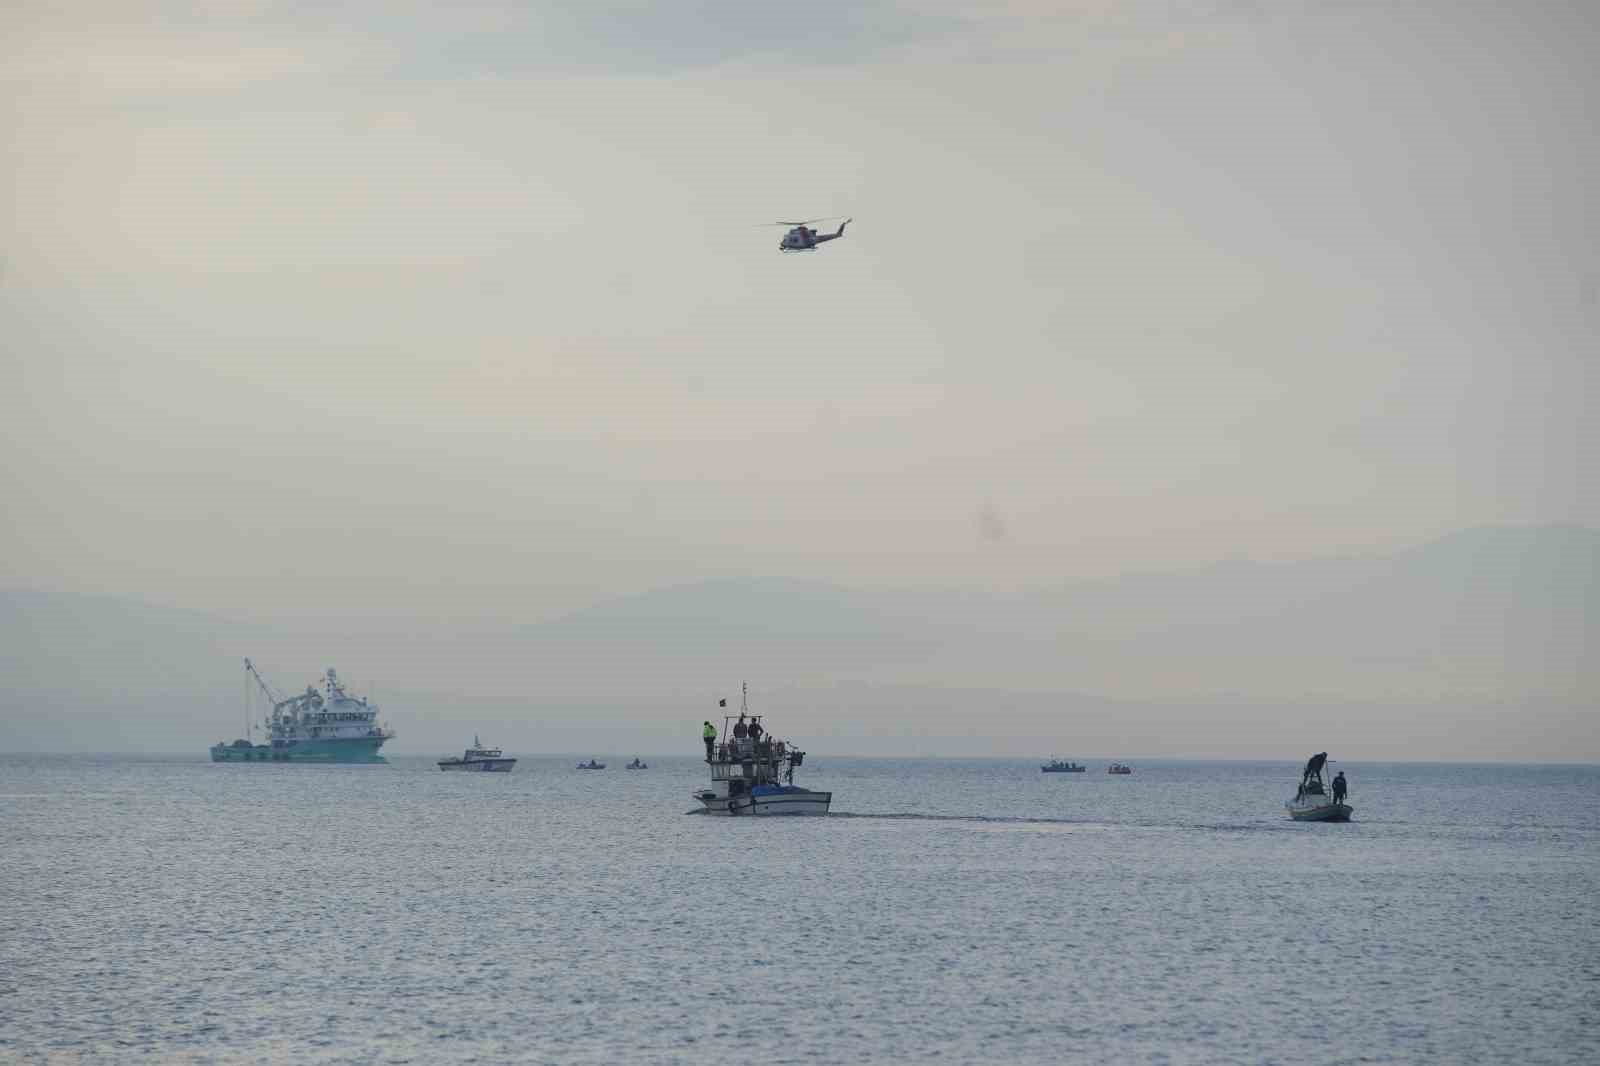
x=465, y=310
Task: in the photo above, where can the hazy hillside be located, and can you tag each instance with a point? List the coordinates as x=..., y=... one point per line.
x=1416, y=652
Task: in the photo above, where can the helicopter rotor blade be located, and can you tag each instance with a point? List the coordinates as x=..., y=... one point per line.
x=804, y=221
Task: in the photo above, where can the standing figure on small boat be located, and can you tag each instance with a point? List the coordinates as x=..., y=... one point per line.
x=1339, y=787
x=709, y=734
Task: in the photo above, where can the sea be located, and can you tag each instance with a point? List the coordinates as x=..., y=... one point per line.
x=168, y=909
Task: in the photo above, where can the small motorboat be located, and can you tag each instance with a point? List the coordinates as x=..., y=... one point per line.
x=1119, y=768
x=481, y=759
x=637, y=764
x=591, y=765
x=1057, y=766
x=1311, y=801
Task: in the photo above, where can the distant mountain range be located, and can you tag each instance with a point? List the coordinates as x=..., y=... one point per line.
x=1475, y=644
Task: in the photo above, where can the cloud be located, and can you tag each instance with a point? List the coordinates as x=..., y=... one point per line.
x=657, y=38
x=171, y=48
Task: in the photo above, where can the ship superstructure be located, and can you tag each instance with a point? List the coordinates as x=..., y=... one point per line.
x=327, y=725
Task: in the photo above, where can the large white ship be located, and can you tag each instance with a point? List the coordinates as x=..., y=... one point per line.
x=330, y=726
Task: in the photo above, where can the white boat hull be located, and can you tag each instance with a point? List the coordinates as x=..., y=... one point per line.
x=1318, y=810
x=790, y=801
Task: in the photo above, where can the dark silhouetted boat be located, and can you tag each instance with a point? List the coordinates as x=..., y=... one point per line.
x=1311, y=801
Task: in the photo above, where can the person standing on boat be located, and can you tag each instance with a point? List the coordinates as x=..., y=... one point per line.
x=709, y=734
x=1339, y=787
x=740, y=730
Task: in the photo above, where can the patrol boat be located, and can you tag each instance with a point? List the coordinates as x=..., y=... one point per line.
x=1056, y=766
x=481, y=759
x=755, y=774
x=330, y=726
x=1311, y=801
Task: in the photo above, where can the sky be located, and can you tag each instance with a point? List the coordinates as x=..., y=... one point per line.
x=469, y=311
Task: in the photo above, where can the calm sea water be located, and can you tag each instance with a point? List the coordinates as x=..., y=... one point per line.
x=172, y=910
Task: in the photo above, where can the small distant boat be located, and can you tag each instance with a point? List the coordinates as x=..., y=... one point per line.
x=481, y=759
x=591, y=765
x=1311, y=801
x=1056, y=766
x=637, y=765
x=1119, y=768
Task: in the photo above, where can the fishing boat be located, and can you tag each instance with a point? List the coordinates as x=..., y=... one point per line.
x=591, y=765
x=637, y=764
x=1311, y=801
x=1057, y=766
x=753, y=774
x=481, y=759
x=1119, y=768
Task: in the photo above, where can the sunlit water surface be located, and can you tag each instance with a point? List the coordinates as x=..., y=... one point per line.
x=172, y=909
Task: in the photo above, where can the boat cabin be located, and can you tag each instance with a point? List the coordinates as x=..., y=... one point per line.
x=748, y=756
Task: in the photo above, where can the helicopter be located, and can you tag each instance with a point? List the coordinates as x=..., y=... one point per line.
x=802, y=238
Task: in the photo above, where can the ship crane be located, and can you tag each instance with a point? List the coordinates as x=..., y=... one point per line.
x=272, y=696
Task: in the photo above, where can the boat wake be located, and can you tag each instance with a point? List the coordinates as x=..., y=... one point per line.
x=899, y=816
x=1082, y=823
x=981, y=819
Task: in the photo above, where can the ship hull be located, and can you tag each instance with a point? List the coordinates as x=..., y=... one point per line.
x=355, y=750
x=1319, y=811
x=483, y=766
x=786, y=802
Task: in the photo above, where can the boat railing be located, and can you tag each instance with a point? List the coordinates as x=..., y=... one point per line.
x=745, y=749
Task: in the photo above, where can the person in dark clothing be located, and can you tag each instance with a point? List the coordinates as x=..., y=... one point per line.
x=1339, y=787
x=756, y=731
x=709, y=735
x=740, y=730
